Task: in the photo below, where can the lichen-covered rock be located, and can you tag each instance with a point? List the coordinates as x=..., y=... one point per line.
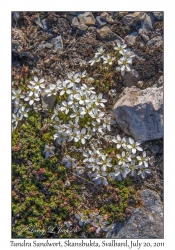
x=158, y=14
x=140, y=112
x=133, y=19
x=146, y=222
x=130, y=39
x=156, y=42
x=148, y=23
x=86, y=18
x=105, y=16
x=57, y=43
x=106, y=34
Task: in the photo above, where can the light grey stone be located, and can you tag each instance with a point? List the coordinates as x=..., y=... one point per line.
x=130, y=39
x=146, y=222
x=106, y=17
x=47, y=101
x=81, y=29
x=133, y=19
x=48, y=45
x=86, y=18
x=106, y=34
x=16, y=15
x=100, y=22
x=75, y=22
x=131, y=78
x=147, y=23
x=160, y=80
x=57, y=43
x=37, y=20
x=156, y=41
x=140, y=112
x=158, y=14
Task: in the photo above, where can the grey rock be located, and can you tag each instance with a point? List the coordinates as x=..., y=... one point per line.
x=140, y=112
x=81, y=29
x=131, y=78
x=133, y=19
x=45, y=25
x=47, y=101
x=146, y=222
x=86, y=18
x=122, y=13
x=160, y=80
x=16, y=15
x=100, y=22
x=147, y=23
x=158, y=14
x=37, y=20
x=156, y=41
x=57, y=43
x=130, y=39
x=48, y=62
x=75, y=22
x=106, y=17
x=48, y=45
x=106, y=34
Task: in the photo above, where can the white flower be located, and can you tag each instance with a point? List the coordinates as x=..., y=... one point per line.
x=74, y=135
x=122, y=158
x=17, y=105
x=48, y=150
x=87, y=89
x=52, y=90
x=32, y=98
x=72, y=77
x=98, y=99
x=33, y=91
x=97, y=127
x=134, y=145
x=143, y=159
x=83, y=135
x=120, y=48
x=132, y=167
x=69, y=161
x=38, y=84
x=65, y=88
x=16, y=119
x=118, y=141
x=100, y=179
x=108, y=59
x=23, y=112
x=122, y=170
x=105, y=163
x=94, y=60
x=114, y=175
x=143, y=171
x=96, y=114
x=65, y=107
x=124, y=65
x=100, y=225
x=128, y=53
x=100, y=52
x=78, y=113
x=112, y=92
x=82, y=97
x=17, y=94
x=107, y=122
x=82, y=219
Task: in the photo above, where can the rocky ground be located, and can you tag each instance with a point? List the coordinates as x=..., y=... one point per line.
x=51, y=44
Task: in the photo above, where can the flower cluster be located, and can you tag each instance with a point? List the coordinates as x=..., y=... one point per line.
x=97, y=221
x=83, y=110
x=124, y=61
